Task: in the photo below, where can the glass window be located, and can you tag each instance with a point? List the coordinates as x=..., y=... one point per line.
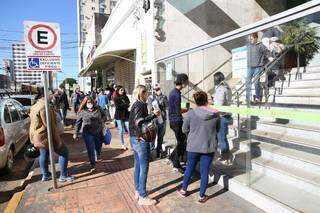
x=6, y=115
x=93, y=8
x=13, y=112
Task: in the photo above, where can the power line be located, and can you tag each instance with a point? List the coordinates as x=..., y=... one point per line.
x=21, y=31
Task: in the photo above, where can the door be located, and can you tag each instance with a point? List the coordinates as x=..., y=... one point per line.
x=16, y=126
x=25, y=121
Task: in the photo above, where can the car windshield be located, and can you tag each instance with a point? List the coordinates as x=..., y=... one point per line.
x=23, y=101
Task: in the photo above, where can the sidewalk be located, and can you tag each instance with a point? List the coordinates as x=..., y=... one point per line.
x=110, y=188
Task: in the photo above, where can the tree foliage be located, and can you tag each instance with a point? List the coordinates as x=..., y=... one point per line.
x=304, y=38
x=70, y=81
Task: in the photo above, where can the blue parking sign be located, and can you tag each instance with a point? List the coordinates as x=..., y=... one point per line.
x=33, y=63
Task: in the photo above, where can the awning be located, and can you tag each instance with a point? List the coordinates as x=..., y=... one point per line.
x=102, y=60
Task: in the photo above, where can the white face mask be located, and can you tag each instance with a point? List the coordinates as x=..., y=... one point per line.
x=89, y=106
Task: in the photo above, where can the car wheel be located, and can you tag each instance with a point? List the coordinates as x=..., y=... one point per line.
x=10, y=160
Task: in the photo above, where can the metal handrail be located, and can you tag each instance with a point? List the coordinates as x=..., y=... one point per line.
x=265, y=68
x=207, y=76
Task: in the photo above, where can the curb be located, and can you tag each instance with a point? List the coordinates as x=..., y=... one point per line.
x=16, y=198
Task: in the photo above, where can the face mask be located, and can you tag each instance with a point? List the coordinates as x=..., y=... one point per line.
x=89, y=106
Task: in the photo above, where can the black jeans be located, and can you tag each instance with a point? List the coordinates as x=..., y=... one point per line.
x=180, y=149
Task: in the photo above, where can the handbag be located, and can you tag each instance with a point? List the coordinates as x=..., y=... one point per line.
x=148, y=131
x=107, y=136
x=59, y=124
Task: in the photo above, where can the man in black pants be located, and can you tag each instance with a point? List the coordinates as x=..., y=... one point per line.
x=176, y=120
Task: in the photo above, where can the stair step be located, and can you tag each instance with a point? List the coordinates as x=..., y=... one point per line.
x=299, y=178
x=300, y=84
x=304, y=76
x=303, y=100
x=298, y=159
x=281, y=191
x=310, y=146
x=296, y=92
x=297, y=131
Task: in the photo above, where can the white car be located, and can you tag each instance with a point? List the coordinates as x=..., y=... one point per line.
x=26, y=100
x=14, y=131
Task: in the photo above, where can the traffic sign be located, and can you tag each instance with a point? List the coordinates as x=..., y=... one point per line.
x=43, y=46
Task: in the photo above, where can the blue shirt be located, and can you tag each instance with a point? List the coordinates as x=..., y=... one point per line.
x=175, y=115
x=103, y=101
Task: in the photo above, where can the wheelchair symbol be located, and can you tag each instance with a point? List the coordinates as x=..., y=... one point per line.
x=34, y=63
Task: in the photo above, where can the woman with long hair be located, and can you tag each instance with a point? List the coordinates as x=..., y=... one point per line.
x=140, y=144
x=90, y=119
x=201, y=126
x=121, y=116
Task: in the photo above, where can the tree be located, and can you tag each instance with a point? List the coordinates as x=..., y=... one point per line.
x=70, y=81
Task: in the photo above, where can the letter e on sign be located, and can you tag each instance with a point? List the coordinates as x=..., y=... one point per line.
x=42, y=37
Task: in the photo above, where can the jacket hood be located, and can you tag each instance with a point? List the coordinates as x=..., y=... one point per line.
x=205, y=113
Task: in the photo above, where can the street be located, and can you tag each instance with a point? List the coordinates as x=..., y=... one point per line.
x=10, y=183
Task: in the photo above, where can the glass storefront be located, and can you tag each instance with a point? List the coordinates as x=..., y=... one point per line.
x=274, y=74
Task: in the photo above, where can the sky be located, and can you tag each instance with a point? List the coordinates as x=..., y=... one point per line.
x=64, y=12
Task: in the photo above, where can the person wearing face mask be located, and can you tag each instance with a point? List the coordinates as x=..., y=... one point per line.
x=90, y=119
x=122, y=104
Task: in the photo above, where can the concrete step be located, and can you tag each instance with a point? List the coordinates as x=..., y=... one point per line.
x=296, y=131
x=298, y=159
x=295, y=92
x=308, y=69
x=311, y=99
x=314, y=83
x=301, y=179
x=304, y=76
x=309, y=146
x=298, y=100
x=275, y=189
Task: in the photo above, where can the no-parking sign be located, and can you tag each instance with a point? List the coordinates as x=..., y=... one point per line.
x=43, y=46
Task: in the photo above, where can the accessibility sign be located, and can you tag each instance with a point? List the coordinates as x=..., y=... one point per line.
x=43, y=46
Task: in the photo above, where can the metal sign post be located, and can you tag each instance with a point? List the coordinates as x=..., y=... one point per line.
x=48, y=120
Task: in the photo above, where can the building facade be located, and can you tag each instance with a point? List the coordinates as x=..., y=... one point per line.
x=92, y=15
x=8, y=71
x=22, y=76
x=273, y=142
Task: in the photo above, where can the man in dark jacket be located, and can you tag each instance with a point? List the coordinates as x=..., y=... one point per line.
x=65, y=105
x=176, y=120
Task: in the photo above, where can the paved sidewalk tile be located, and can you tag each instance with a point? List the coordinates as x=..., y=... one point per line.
x=110, y=188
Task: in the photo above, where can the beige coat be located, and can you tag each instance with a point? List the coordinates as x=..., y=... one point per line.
x=38, y=127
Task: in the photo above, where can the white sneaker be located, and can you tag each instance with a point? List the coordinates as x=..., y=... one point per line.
x=124, y=147
x=136, y=195
x=146, y=201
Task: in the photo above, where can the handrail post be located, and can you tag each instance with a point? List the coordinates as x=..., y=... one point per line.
x=238, y=116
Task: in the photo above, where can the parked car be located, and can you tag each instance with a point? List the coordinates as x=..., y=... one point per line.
x=14, y=131
x=26, y=100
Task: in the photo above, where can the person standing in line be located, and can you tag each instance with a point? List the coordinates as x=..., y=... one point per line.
x=90, y=119
x=223, y=96
x=200, y=125
x=39, y=138
x=65, y=105
x=76, y=100
x=57, y=102
x=141, y=143
x=122, y=104
x=257, y=57
x=176, y=120
x=162, y=102
x=102, y=100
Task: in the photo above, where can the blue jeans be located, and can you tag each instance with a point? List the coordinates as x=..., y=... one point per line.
x=141, y=152
x=63, y=161
x=205, y=163
x=161, y=130
x=252, y=72
x=121, y=125
x=222, y=134
x=93, y=145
